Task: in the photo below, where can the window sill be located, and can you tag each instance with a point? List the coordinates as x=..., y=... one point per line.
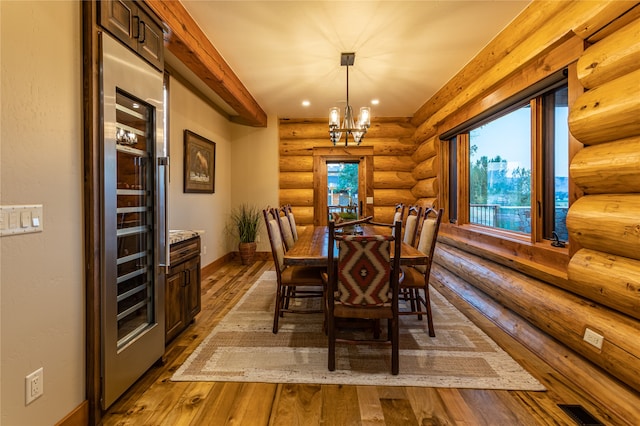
x=539, y=260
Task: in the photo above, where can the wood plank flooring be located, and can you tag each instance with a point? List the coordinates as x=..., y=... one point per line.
x=155, y=400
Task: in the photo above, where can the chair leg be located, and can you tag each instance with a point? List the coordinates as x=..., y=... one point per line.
x=389, y=330
x=394, y=329
x=291, y=294
x=276, y=313
x=427, y=302
x=415, y=302
x=376, y=329
x=410, y=296
x=332, y=344
x=288, y=293
x=324, y=312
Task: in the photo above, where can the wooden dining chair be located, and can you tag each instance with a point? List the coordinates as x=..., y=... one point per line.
x=416, y=278
x=414, y=215
x=293, y=282
x=362, y=283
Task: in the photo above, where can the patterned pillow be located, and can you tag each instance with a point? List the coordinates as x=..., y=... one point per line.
x=364, y=270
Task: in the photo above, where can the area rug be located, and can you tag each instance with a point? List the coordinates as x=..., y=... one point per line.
x=242, y=348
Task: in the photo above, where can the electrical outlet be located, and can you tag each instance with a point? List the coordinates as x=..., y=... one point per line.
x=34, y=385
x=593, y=338
x=204, y=249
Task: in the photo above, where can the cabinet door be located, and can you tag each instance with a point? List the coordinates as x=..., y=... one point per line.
x=117, y=16
x=150, y=40
x=134, y=26
x=192, y=287
x=174, y=303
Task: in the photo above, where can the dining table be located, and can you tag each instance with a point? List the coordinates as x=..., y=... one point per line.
x=312, y=247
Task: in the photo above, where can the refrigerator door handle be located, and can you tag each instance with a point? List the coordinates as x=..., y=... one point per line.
x=163, y=222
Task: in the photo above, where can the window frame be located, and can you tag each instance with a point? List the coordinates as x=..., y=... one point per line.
x=459, y=170
x=535, y=258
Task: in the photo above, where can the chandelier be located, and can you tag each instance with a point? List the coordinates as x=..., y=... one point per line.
x=356, y=129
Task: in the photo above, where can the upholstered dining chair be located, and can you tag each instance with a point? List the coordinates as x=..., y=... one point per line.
x=293, y=282
x=414, y=215
x=292, y=221
x=398, y=214
x=416, y=278
x=362, y=283
x=285, y=227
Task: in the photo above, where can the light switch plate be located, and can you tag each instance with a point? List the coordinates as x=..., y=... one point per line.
x=21, y=219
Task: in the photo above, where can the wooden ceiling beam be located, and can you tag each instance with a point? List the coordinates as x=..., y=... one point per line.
x=190, y=45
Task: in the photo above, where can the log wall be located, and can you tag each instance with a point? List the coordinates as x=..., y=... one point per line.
x=595, y=283
x=393, y=165
x=606, y=220
x=561, y=314
x=426, y=172
x=597, y=286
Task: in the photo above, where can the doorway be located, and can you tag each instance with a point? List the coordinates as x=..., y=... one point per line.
x=342, y=182
x=343, y=189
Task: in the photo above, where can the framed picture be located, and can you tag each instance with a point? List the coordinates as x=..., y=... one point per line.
x=199, y=163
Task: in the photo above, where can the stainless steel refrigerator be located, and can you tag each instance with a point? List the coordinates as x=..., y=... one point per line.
x=134, y=230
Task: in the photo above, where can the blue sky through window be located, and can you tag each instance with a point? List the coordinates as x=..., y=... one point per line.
x=508, y=137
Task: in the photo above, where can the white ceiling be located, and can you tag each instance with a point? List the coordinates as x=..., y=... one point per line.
x=285, y=52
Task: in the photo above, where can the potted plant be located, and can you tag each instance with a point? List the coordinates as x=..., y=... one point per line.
x=246, y=220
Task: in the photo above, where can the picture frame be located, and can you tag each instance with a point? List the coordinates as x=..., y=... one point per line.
x=199, y=163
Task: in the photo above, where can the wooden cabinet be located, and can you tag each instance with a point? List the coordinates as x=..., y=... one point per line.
x=182, y=289
x=133, y=25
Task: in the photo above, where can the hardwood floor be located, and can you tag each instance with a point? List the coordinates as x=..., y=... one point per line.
x=155, y=400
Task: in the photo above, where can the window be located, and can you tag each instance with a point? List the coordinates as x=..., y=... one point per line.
x=508, y=169
x=453, y=181
x=500, y=172
x=556, y=163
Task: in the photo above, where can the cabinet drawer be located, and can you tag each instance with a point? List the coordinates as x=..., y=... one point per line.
x=184, y=250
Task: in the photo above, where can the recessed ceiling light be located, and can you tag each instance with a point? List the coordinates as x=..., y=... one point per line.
x=306, y=103
x=375, y=101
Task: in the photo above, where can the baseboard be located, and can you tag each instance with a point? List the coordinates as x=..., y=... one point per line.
x=78, y=417
x=210, y=268
x=259, y=255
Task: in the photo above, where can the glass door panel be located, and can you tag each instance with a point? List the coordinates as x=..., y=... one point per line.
x=134, y=189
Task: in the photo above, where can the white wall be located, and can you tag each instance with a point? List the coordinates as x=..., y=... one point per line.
x=255, y=168
x=207, y=212
x=246, y=171
x=42, y=288
x=41, y=275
